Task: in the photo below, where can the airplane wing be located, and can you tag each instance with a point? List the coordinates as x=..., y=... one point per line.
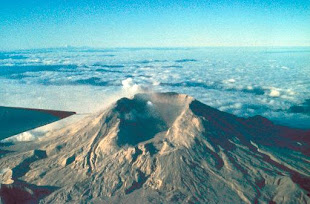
x=17, y=120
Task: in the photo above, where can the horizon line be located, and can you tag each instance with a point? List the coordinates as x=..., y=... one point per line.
x=156, y=47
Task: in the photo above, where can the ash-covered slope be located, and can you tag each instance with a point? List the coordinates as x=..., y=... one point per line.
x=164, y=148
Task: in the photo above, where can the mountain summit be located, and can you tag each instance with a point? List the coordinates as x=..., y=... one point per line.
x=161, y=148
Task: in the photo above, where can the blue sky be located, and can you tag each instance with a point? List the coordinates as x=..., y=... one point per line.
x=154, y=23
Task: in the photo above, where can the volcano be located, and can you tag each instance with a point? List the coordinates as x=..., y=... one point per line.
x=160, y=148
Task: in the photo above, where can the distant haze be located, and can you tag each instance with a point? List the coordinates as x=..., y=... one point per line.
x=172, y=23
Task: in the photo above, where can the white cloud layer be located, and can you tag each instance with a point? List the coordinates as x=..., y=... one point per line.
x=244, y=82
